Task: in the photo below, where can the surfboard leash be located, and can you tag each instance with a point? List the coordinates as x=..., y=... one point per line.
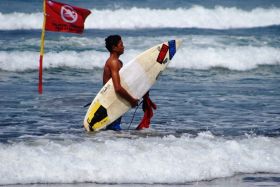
x=134, y=114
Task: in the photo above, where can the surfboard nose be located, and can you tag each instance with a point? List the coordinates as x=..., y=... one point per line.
x=178, y=43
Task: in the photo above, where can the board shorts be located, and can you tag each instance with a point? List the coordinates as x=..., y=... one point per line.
x=116, y=125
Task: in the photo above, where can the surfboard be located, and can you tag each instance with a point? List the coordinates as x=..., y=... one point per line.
x=137, y=77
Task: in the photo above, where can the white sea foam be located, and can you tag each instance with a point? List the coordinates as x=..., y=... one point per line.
x=27, y=60
x=196, y=16
x=142, y=160
x=240, y=58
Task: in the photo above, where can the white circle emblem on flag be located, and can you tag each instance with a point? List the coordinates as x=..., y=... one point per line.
x=68, y=14
x=50, y=3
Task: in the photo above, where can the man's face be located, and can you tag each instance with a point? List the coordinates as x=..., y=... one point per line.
x=119, y=48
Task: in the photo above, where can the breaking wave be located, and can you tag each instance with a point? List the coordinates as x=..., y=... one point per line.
x=190, y=57
x=133, y=18
x=143, y=160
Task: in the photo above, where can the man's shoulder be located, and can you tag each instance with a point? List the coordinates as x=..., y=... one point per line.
x=113, y=62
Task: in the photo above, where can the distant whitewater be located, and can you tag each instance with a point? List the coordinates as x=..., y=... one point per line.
x=133, y=18
x=191, y=57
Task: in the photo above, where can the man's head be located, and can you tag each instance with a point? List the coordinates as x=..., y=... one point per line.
x=114, y=44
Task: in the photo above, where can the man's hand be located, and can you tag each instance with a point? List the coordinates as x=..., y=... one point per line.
x=134, y=102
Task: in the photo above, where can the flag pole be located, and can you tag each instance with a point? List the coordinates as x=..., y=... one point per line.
x=40, y=84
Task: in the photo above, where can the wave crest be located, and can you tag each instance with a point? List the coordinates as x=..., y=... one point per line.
x=133, y=18
x=190, y=57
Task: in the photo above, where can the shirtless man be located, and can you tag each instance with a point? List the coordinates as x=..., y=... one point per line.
x=112, y=66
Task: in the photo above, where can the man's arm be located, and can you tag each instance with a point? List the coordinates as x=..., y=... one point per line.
x=118, y=87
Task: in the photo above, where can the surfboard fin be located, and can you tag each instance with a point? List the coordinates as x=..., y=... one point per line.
x=172, y=48
x=162, y=53
x=87, y=105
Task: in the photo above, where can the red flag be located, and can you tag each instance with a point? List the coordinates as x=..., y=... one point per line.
x=62, y=17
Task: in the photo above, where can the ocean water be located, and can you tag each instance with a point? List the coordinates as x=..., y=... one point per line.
x=218, y=116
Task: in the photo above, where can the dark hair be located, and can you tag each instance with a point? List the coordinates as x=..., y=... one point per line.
x=111, y=41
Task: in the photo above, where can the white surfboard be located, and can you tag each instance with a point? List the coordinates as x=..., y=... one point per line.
x=137, y=77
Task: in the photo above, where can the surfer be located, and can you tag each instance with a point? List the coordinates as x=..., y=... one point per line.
x=114, y=45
